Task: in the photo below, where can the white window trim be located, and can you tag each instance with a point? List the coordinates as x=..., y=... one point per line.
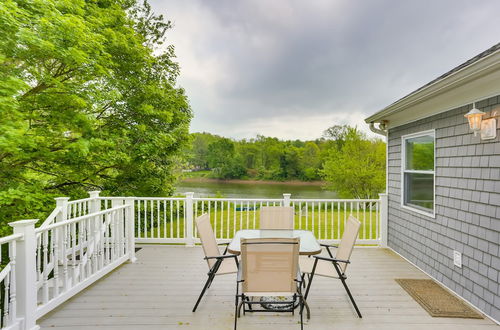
x=403, y=171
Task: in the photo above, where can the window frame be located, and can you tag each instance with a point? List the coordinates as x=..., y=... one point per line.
x=429, y=213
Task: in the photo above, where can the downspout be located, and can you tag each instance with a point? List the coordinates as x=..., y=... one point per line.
x=382, y=130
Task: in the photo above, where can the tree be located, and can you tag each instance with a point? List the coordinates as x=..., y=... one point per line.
x=223, y=160
x=338, y=133
x=310, y=161
x=87, y=101
x=357, y=170
x=289, y=163
x=199, y=149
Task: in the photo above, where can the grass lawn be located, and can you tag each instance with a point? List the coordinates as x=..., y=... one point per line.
x=325, y=224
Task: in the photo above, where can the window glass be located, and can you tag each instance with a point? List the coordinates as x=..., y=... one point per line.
x=419, y=190
x=420, y=153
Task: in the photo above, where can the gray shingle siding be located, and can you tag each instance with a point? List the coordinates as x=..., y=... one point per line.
x=467, y=205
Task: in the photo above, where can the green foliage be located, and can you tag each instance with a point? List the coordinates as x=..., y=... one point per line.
x=87, y=101
x=223, y=160
x=267, y=158
x=198, y=154
x=357, y=170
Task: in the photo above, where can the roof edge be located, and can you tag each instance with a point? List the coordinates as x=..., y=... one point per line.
x=484, y=61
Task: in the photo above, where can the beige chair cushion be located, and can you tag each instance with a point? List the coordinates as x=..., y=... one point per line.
x=210, y=247
x=207, y=237
x=324, y=268
x=347, y=242
x=276, y=217
x=228, y=266
x=269, y=266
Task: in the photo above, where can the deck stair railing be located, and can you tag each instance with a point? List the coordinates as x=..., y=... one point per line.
x=83, y=240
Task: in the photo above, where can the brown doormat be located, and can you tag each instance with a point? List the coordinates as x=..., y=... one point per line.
x=436, y=300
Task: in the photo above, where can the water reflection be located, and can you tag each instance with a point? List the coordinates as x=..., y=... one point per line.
x=252, y=190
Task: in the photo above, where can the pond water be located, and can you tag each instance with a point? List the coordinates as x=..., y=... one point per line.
x=252, y=190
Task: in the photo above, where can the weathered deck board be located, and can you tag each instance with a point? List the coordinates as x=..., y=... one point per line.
x=160, y=289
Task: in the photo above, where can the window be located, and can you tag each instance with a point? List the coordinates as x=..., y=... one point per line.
x=418, y=172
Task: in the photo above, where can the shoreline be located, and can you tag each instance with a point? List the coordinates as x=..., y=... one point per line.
x=239, y=181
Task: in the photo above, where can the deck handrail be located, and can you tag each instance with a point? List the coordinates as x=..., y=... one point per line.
x=8, y=276
x=51, y=218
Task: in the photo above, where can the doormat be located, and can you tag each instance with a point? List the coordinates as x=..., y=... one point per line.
x=436, y=300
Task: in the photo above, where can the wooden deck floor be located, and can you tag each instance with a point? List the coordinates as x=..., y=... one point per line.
x=159, y=290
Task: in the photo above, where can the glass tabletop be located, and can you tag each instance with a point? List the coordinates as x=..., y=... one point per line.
x=308, y=243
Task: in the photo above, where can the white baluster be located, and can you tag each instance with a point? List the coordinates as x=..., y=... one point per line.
x=12, y=279
x=45, y=262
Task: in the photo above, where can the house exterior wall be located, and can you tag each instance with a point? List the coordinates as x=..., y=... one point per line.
x=467, y=206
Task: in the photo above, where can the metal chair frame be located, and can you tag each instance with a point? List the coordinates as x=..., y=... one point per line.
x=341, y=275
x=213, y=270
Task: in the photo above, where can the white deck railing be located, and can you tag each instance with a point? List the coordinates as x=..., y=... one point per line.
x=74, y=253
x=8, y=306
x=83, y=240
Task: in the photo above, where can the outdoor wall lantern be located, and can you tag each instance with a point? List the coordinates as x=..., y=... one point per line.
x=487, y=127
x=474, y=116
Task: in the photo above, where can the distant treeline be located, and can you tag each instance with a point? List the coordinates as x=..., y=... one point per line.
x=346, y=159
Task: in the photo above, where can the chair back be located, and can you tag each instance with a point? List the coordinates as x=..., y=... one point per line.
x=207, y=237
x=269, y=265
x=276, y=217
x=346, y=245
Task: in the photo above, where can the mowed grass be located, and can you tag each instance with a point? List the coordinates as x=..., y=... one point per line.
x=325, y=224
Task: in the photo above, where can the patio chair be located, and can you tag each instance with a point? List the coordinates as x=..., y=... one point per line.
x=218, y=264
x=334, y=267
x=276, y=217
x=269, y=268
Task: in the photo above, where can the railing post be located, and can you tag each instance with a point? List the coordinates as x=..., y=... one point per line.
x=189, y=219
x=26, y=289
x=384, y=213
x=95, y=203
x=63, y=203
x=130, y=227
x=286, y=199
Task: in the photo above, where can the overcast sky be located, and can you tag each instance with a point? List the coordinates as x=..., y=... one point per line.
x=291, y=68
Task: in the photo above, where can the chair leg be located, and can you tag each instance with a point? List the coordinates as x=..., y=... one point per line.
x=342, y=279
x=307, y=309
x=210, y=283
x=301, y=313
x=207, y=283
x=304, y=304
x=311, y=278
x=308, y=287
x=242, y=303
x=249, y=305
x=236, y=311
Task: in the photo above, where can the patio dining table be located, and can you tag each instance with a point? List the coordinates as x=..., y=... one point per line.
x=308, y=243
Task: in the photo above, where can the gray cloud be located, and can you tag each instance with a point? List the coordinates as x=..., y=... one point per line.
x=293, y=68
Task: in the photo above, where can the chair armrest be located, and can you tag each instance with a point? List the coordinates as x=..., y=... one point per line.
x=222, y=257
x=328, y=245
x=332, y=259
